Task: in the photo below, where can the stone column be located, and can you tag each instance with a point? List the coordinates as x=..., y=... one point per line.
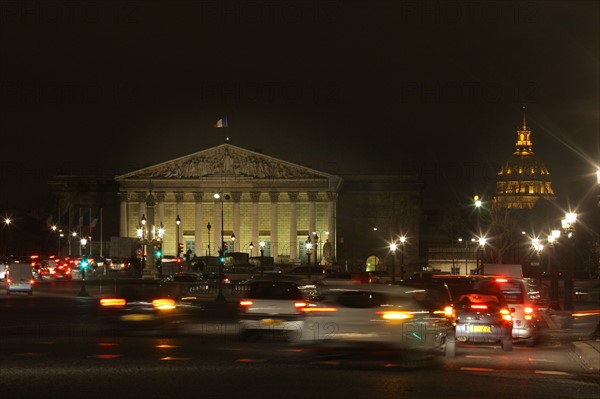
x=293, y=195
x=274, y=195
x=141, y=198
x=160, y=208
x=312, y=222
x=331, y=220
x=198, y=224
x=215, y=233
x=124, y=214
x=255, y=197
x=237, y=243
x=179, y=212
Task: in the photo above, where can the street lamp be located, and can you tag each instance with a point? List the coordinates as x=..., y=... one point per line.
x=480, y=254
x=208, y=226
x=316, y=244
x=177, y=222
x=308, y=254
x=568, y=225
x=147, y=234
x=403, y=243
x=83, y=265
x=251, y=248
x=233, y=239
x=393, y=248
x=554, y=303
x=262, y=248
x=222, y=198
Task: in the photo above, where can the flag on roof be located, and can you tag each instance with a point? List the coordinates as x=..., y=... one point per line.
x=221, y=122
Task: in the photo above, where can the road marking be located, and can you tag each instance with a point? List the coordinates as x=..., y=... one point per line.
x=477, y=357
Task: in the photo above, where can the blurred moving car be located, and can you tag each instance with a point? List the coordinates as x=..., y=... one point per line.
x=381, y=277
x=399, y=321
x=483, y=317
x=345, y=278
x=139, y=307
x=273, y=306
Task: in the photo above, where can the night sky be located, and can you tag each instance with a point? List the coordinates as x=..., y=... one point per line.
x=346, y=87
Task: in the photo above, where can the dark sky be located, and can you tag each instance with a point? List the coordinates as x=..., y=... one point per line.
x=346, y=87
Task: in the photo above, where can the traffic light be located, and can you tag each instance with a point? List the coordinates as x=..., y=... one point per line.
x=180, y=246
x=84, y=263
x=158, y=253
x=225, y=246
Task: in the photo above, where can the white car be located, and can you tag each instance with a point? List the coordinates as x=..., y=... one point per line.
x=273, y=306
x=395, y=320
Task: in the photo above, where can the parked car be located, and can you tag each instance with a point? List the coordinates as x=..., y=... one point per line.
x=483, y=317
x=374, y=320
x=273, y=306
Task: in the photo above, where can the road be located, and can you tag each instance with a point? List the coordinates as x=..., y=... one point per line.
x=51, y=347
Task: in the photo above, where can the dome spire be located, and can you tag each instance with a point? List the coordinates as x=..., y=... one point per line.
x=524, y=144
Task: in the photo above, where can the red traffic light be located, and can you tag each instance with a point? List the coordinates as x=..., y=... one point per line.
x=180, y=245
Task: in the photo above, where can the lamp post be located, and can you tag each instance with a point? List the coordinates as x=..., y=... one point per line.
x=60, y=236
x=177, y=223
x=208, y=226
x=221, y=198
x=83, y=265
x=480, y=254
x=251, y=248
x=262, y=248
x=393, y=248
x=149, y=235
x=316, y=245
x=309, y=246
x=568, y=225
x=403, y=243
x=554, y=303
x=233, y=239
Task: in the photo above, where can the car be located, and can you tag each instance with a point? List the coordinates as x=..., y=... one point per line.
x=62, y=271
x=142, y=308
x=523, y=307
x=315, y=272
x=41, y=269
x=345, y=278
x=381, y=277
x=374, y=320
x=483, y=316
x=273, y=307
x=20, y=278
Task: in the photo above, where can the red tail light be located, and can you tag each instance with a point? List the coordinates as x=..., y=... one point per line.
x=163, y=303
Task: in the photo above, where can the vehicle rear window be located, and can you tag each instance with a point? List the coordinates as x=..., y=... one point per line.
x=274, y=290
x=513, y=292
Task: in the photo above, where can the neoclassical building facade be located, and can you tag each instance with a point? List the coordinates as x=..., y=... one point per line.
x=263, y=200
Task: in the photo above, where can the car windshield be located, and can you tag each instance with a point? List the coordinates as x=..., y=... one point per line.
x=275, y=290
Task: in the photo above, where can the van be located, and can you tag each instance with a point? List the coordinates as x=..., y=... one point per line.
x=20, y=278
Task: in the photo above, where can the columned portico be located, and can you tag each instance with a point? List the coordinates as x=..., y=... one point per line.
x=255, y=211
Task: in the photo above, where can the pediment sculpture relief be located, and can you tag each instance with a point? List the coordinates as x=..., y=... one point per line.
x=226, y=163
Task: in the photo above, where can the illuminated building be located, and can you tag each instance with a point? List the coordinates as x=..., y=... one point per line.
x=523, y=178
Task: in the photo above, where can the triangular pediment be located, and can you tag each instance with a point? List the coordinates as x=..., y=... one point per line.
x=224, y=161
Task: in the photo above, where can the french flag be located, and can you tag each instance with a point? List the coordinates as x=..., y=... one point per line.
x=221, y=122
